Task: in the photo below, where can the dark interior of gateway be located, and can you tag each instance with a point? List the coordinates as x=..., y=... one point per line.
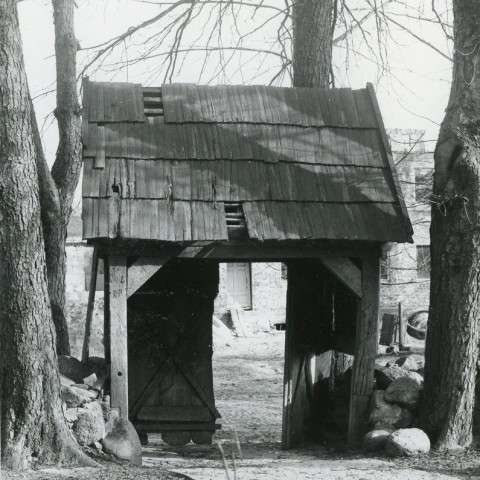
x=171, y=379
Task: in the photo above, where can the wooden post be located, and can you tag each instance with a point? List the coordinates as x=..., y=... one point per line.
x=365, y=351
x=90, y=306
x=117, y=293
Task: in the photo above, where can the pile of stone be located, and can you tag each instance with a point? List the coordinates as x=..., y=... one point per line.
x=88, y=413
x=394, y=408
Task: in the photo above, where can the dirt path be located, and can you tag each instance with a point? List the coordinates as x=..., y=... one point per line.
x=248, y=376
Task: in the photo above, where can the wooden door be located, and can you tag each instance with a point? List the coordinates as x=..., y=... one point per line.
x=170, y=353
x=239, y=284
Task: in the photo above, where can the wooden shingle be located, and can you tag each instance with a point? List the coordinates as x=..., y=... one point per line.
x=303, y=163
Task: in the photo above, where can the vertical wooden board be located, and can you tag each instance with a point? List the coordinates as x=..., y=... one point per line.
x=312, y=108
x=188, y=140
x=349, y=107
x=293, y=107
x=87, y=206
x=267, y=228
x=364, y=109
x=92, y=102
x=379, y=159
x=87, y=176
x=181, y=180
x=235, y=113
x=323, y=106
x=140, y=109
x=202, y=107
x=275, y=220
x=140, y=180
x=275, y=183
x=117, y=302
x=255, y=230
x=337, y=101
x=234, y=181
x=286, y=143
x=178, y=220
x=114, y=100
x=259, y=115
x=103, y=218
x=107, y=103
x=122, y=102
x=205, y=183
x=302, y=97
x=100, y=102
x=152, y=127
x=365, y=350
x=197, y=226
x=122, y=165
x=227, y=175
x=187, y=214
x=168, y=103
x=249, y=105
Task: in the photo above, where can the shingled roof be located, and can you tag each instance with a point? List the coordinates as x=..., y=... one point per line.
x=173, y=163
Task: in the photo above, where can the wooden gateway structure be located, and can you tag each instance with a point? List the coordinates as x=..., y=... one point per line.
x=179, y=178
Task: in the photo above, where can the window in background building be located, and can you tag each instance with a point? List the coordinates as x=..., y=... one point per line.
x=423, y=261
x=385, y=267
x=423, y=184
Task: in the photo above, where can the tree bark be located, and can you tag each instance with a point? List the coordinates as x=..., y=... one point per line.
x=452, y=342
x=33, y=429
x=313, y=26
x=66, y=169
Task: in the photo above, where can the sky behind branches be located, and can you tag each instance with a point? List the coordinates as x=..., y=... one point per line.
x=411, y=79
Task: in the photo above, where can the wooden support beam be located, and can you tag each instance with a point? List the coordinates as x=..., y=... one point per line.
x=365, y=351
x=90, y=306
x=142, y=269
x=117, y=293
x=345, y=271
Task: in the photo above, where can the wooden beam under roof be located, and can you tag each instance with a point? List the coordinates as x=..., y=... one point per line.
x=345, y=271
x=142, y=269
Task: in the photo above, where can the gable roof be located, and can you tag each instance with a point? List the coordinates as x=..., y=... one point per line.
x=303, y=163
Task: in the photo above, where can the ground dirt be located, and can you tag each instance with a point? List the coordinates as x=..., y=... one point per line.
x=248, y=376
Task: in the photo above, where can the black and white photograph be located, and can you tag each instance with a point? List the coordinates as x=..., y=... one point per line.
x=239, y=239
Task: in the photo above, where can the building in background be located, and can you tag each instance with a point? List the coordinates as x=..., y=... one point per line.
x=406, y=268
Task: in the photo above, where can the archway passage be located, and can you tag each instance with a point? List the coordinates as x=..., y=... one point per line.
x=170, y=386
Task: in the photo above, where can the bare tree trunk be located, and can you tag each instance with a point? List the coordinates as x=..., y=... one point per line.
x=452, y=342
x=66, y=169
x=313, y=26
x=33, y=427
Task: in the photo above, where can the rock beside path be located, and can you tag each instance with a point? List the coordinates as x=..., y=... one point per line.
x=74, y=396
x=89, y=427
x=123, y=442
x=404, y=391
x=386, y=415
x=407, y=442
x=376, y=440
x=386, y=375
